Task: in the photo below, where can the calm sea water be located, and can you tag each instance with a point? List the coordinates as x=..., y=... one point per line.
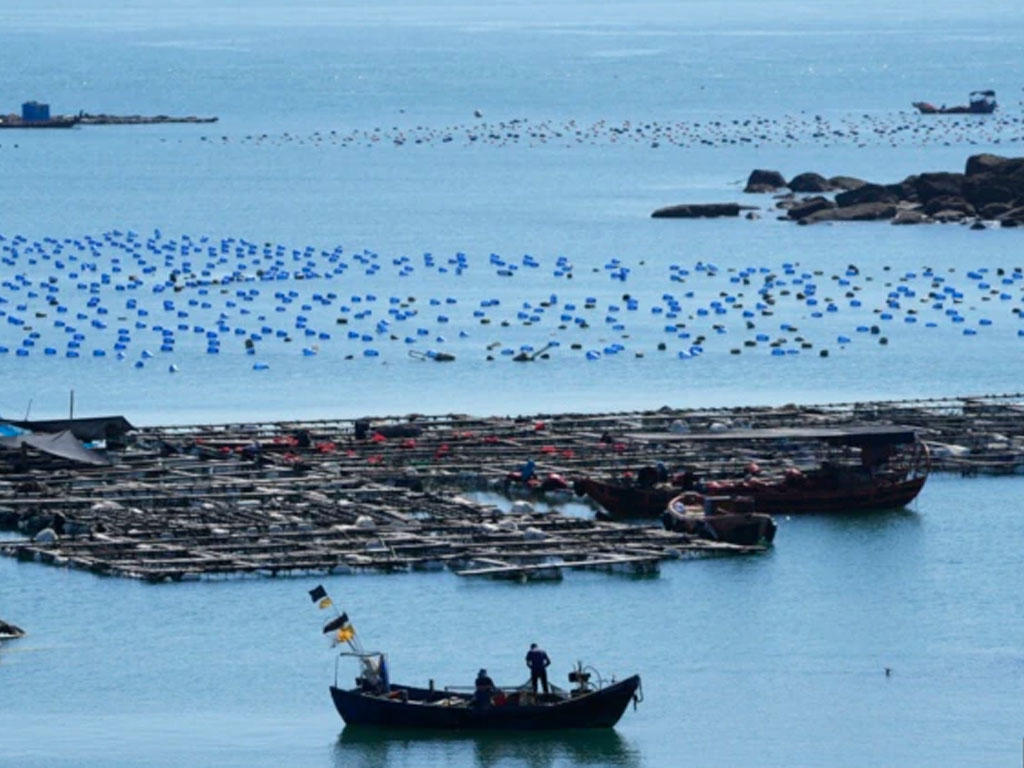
x=355, y=126
x=772, y=660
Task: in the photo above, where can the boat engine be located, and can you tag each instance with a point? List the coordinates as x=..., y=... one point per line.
x=581, y=677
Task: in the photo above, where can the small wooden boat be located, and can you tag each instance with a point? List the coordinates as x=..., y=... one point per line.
x=376, y=701
x=731, y=519
x=404, y=706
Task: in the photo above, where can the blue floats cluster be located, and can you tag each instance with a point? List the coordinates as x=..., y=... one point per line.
x=121, y=296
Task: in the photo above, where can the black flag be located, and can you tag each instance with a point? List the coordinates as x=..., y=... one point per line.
x=337, y=623
x=318, y=594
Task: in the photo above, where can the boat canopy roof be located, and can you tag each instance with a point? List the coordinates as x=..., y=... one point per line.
x=64, y=445
x=871, y=435
x=89, y=428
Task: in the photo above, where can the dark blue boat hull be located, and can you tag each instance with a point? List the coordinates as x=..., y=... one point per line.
x=596, y=709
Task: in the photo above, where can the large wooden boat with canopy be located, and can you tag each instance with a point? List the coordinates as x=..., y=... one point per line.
x=592, y=702
x=817, y=470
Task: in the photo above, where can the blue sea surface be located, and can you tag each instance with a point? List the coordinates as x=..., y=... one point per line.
x=430, y=148
x=776, y=659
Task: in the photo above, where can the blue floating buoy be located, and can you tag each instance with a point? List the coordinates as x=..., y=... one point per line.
x=371, y=353
x=260, y=366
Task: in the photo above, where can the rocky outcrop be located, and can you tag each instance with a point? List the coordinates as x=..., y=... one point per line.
x=910, y=216
x=804, y=208
x=869, y=193
x=846, y=183
x=9, y=631
x=858, y=212
x=990, y=192
x=948, y=203
x=929, y=186
x=984, y=163
x=991, y=189
x=1013, y=218
x=701, y=210
x=764, y=181
x=810, y=182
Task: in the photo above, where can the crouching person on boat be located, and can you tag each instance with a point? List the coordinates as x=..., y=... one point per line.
x=484, y=688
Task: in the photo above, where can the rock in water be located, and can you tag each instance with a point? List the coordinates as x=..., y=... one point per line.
x=869, y=193
x=764, y=181
x=700, y=210
x=810, y=182
x=9, y=631
x=858, y=212
x=811, y=205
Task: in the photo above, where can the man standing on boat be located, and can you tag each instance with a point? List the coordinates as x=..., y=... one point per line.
x=537, y=660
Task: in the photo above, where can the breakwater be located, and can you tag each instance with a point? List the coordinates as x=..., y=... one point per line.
x=290, y=498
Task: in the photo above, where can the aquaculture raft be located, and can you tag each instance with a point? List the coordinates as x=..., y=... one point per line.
x=189, y=502
x=186, y=518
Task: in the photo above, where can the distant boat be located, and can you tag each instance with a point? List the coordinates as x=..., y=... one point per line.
x=981, y=103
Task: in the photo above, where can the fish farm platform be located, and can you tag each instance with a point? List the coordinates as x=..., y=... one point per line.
x=386, y=494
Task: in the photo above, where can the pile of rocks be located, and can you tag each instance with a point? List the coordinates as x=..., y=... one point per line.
x=991, y=189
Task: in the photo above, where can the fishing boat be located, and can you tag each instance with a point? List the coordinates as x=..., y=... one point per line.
x=592, y=702
x=861, y=468
x=626, y=500
x=731, y=519
x=374, y=702
x=979, y=103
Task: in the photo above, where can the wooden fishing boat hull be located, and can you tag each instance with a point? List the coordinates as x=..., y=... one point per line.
x=778, y=499
x=622, y=502
x=421, y=708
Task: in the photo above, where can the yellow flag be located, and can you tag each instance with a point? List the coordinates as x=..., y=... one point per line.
x=325, y=603
x=346, y=633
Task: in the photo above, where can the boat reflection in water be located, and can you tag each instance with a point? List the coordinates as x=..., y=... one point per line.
x=369, y=747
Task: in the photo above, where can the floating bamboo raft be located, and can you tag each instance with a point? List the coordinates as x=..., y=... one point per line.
x=265, y=499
